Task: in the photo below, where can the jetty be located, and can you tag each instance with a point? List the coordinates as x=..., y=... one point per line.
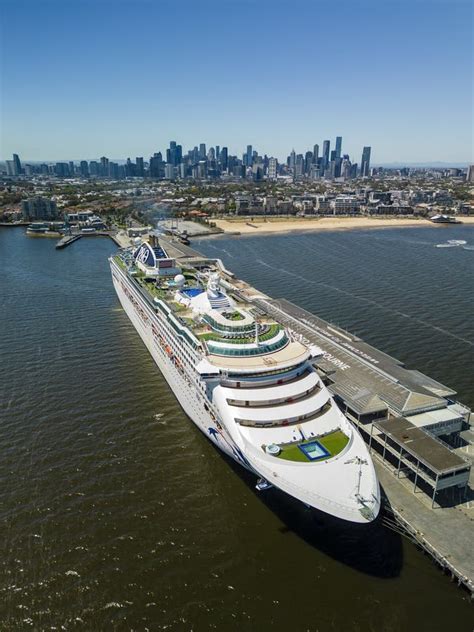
x=420, y=437
x=119, y=238
x=67, y=240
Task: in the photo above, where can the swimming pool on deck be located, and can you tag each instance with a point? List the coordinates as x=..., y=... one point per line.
x=313, y=450
x=191, y=292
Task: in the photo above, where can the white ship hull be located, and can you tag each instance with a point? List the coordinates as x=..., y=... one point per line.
x=189, y=398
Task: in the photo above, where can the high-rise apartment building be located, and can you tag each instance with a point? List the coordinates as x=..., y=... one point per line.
x=272, y=168
x=39, y=208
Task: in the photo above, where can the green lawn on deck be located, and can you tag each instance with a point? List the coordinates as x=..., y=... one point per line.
x=118, y=260
x=334, y=443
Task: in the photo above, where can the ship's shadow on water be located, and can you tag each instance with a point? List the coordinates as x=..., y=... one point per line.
x=371, y=548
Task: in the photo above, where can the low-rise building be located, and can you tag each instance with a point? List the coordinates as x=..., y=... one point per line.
x=392, y=209
x=345, y=204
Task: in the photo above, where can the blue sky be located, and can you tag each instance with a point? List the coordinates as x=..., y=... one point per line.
x=81, y=79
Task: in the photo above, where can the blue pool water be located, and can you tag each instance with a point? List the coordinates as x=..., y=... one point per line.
x=314, y=450
x=192, y=291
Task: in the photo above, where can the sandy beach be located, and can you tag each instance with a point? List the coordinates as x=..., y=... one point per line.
x=258, y=226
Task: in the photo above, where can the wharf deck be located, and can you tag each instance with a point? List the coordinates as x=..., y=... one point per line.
x=445, y=534
x=67, y=240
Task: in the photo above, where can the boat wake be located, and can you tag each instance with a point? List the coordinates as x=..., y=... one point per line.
x=454, y=243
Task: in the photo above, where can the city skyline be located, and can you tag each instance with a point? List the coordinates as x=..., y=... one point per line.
x=204, y=162
x=84, y=80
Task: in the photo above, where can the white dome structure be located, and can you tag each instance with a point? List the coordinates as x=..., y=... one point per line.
x=179, y=280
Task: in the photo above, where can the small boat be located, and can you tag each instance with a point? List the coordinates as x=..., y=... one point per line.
x=444, y=219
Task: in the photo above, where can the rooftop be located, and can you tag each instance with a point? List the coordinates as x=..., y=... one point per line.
x=425, y=448
x=293, y=353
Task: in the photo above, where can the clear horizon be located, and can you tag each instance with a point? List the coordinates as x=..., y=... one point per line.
x=120, y=79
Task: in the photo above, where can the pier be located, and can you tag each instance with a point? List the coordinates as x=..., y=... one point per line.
x=121, y=240
x=418, y=434
x=67, y=240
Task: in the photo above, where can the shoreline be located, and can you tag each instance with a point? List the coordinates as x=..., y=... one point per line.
x=290, y=226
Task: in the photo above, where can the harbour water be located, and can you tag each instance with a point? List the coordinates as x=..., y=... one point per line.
x=117, y=514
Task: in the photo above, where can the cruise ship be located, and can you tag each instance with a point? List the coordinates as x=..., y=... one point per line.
x=248, y=383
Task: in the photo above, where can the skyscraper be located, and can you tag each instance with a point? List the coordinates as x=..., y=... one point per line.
x=292, y=160
x=156, y=165
x=94, y=168
x=104, y=166
x=338, y=146
x=129, y=169
x=346, y=167
x=315, y=153
x=272, y=168
x=169, y=172
x=61, y=169
x=202, y=151
x=365, y=163
x=16, y=165
x=223, y=158
x=299, y=166
x=84, y=169
x=249, y=156
x=326, y=148
x=140, y=168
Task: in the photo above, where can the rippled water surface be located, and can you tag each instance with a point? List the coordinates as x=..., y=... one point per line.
x=117, y=514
